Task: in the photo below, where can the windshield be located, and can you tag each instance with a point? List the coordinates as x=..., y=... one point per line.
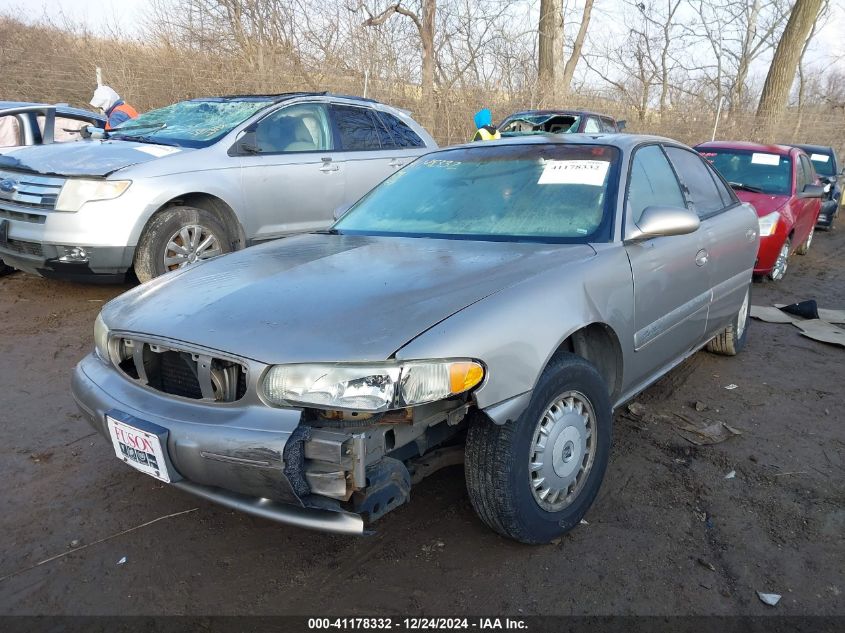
x=539, y=124
x=750, y=170
x=194, y=123
x=536, y=192
x=823, y=164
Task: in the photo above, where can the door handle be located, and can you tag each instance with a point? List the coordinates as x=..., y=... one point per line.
x=396, y=163
x=701, y=257
x=328, y=165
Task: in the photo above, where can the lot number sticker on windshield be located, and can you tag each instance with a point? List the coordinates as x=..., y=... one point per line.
x=819, y=158
x=765, y=159
x=574, y=172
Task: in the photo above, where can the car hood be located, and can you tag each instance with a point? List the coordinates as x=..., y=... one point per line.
x=326, y=297
x=83, y=158
x=764, y=203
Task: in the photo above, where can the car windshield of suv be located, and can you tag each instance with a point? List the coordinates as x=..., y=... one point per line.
x=748, y=170
x=531, y=192
x=194, y=123
x=823, y=164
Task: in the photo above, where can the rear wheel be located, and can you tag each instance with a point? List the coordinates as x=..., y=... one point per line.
x=4, y=269
x=782, y=262
x=534, y=478
x=805, y=246
x=731, y=340
x=177, y=237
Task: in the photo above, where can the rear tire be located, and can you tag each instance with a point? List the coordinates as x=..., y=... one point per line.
x=533, y=479
x=179, y=236
x=4, y=269
x=731, y=340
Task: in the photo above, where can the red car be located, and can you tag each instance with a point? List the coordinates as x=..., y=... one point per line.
x=781, y=183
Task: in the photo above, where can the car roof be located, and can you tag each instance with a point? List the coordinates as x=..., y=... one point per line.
x=279, y=97
x=624, y=142
x=783, y=150
x=559, y=112
x=816, y=149
x=61, y=108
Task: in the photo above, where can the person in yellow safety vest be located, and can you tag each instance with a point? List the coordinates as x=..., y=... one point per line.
x=486, y=130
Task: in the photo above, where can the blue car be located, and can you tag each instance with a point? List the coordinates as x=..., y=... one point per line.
x=830, y=173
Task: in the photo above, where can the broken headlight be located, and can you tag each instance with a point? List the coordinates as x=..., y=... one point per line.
x=370, y=387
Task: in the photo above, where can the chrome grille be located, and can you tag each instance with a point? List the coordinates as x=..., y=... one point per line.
x=179, y=372
x=22, y=190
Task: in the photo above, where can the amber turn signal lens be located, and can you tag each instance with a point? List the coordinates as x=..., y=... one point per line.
x=464, y=376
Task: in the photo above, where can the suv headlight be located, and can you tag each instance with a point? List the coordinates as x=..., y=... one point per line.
x=370, y=387
x=78, y=191
x=101, y=338
x=768, y=223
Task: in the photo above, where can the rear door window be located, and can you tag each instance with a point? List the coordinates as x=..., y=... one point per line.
x=357, y=127
x=403, y=135
x=592, y=126
x=652, y=182
x=699, y=184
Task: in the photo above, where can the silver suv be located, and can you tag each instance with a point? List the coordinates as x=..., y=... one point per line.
x=196, y=179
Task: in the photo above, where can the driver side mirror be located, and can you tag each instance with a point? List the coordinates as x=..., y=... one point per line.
x=659, y=221
x=812, y=191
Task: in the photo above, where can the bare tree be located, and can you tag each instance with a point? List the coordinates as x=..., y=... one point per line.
x=549, y=37
x=424, y=20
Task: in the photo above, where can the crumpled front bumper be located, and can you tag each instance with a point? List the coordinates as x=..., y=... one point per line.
x=228, y=453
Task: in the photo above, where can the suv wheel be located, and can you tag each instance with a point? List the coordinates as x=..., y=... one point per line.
x=4, y=269
x=731, y=340
x=534, y=478
x=177, y=237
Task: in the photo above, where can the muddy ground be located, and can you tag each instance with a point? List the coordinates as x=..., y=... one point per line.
x=669, y=534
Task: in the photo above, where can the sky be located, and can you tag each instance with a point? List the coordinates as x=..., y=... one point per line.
x=827, y=48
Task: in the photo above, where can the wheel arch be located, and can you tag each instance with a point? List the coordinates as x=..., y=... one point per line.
x=211, y=203
x=598, y=344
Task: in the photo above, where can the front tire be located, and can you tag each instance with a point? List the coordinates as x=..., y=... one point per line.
x=731, y=340
x=782, y=262
x=179, y=236
x=534, y=478
x=4, y=269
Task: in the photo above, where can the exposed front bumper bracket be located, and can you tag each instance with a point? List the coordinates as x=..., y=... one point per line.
x=323, y=520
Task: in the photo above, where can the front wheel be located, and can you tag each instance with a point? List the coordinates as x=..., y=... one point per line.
x=782, y=262
x=534, y=478
x=4, y=269
x=179, y=236
x=731, y=340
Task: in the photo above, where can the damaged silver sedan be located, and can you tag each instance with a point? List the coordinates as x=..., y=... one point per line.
x=488, y=304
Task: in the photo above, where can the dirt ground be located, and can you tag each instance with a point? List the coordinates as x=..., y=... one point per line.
x=669, y=534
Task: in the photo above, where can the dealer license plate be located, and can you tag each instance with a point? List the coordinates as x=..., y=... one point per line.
x=138, y=448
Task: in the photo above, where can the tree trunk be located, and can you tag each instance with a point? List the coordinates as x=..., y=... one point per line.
x=577, y=46
x=547, y=34
x=781, y=74
x=427, y=27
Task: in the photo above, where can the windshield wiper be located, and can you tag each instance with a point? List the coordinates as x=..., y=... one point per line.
x=157, y=125
x=147, y=139
x=744, y=187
